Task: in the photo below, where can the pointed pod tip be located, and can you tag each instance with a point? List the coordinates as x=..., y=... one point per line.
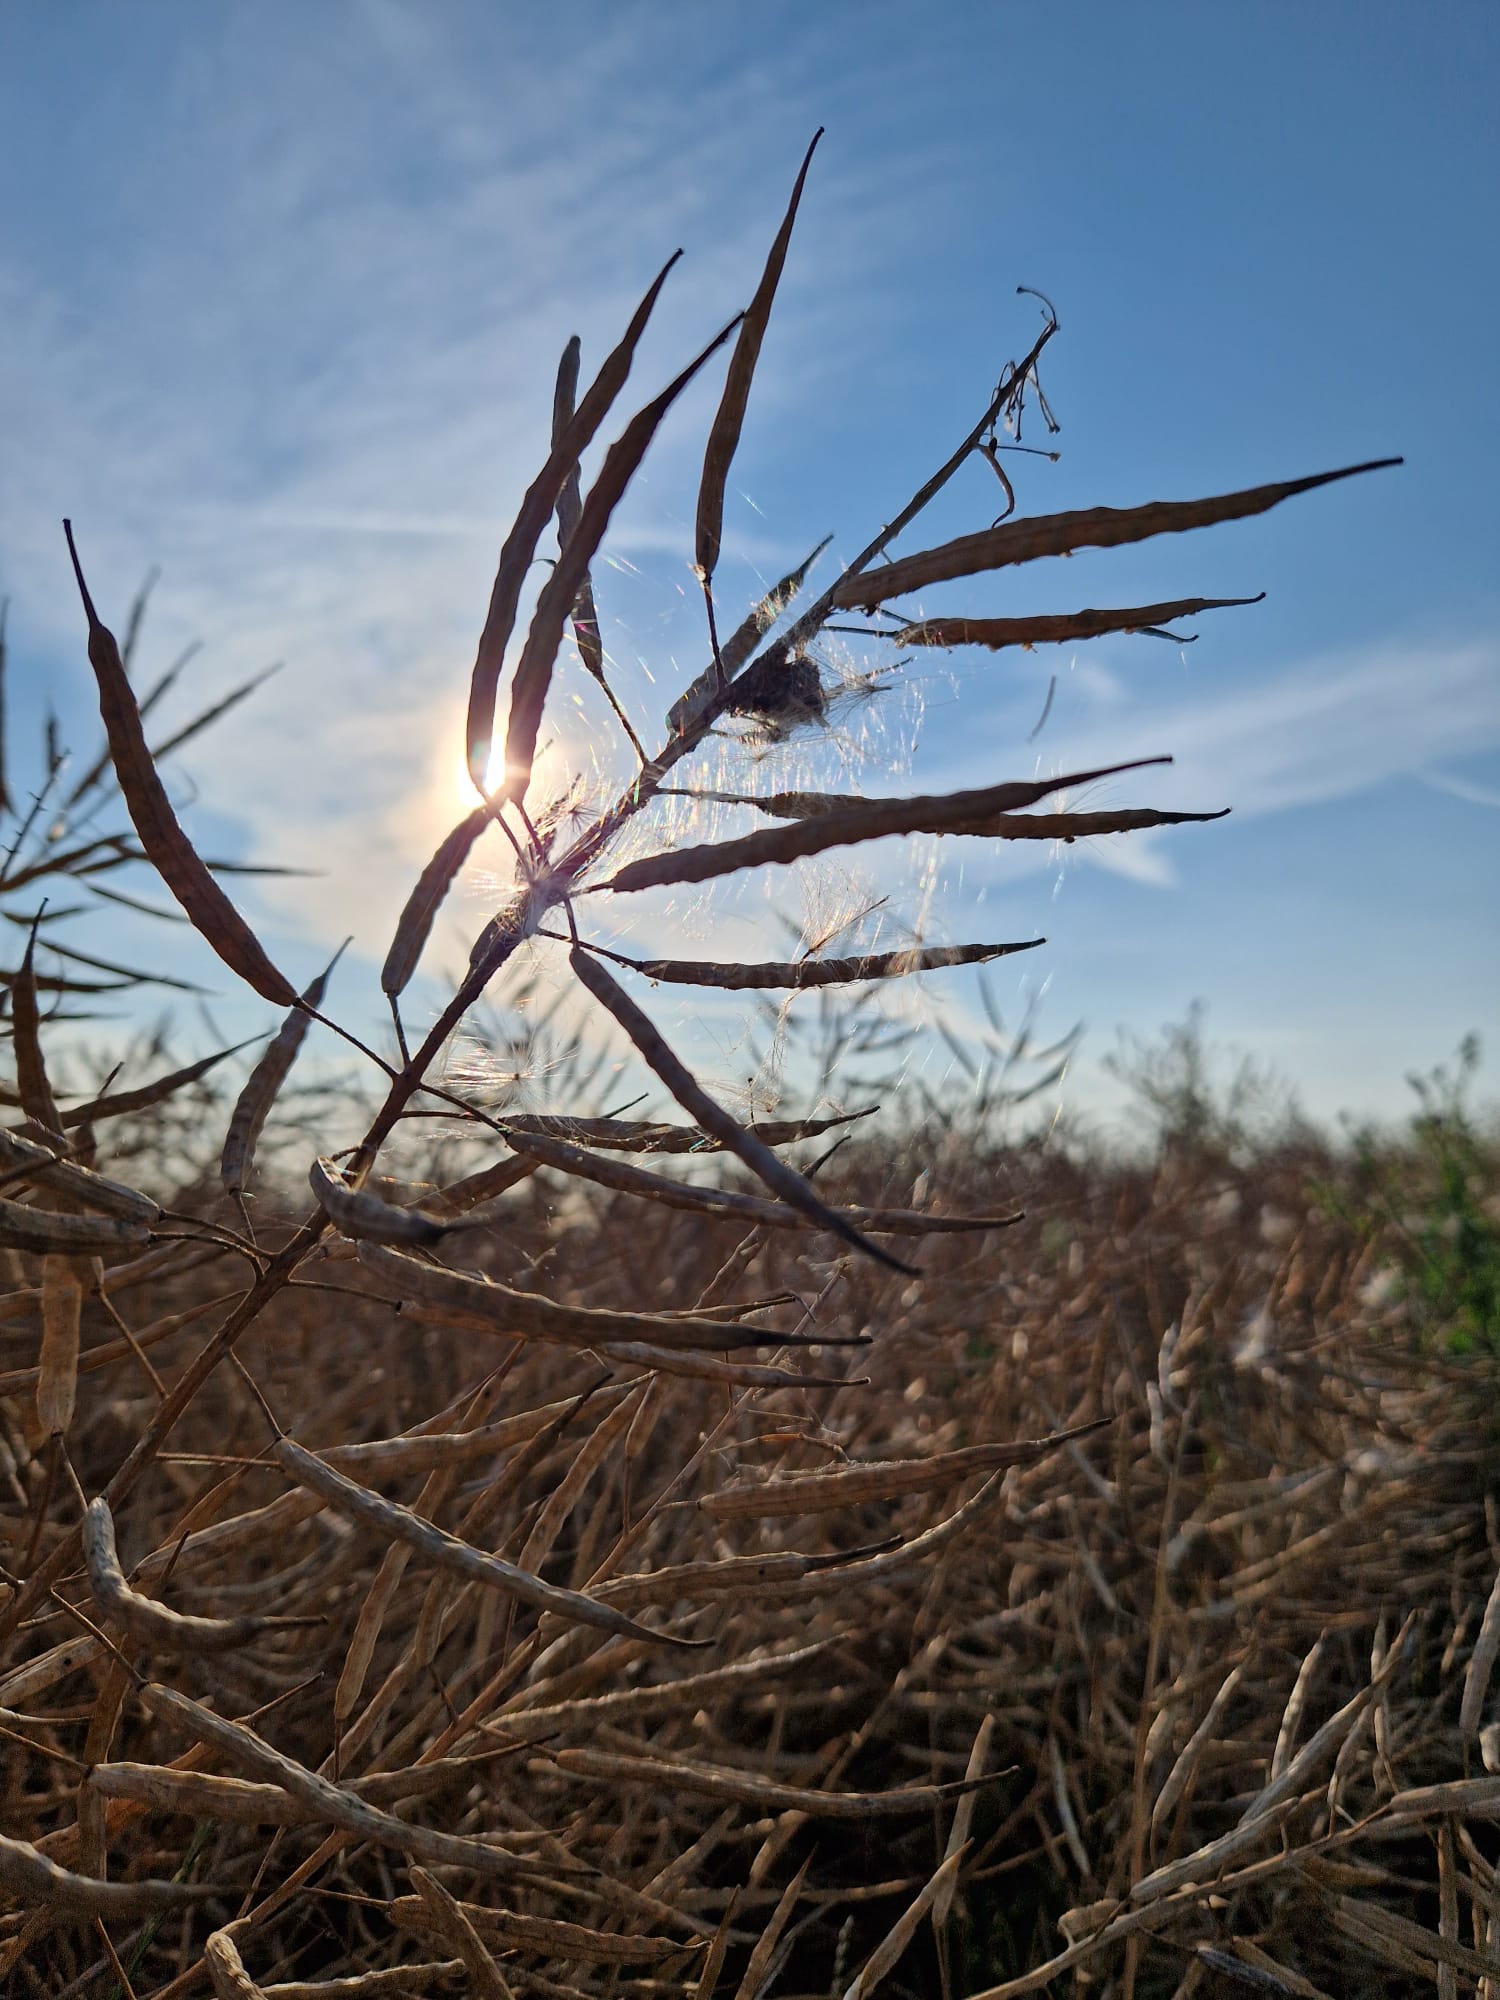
x=83, y=589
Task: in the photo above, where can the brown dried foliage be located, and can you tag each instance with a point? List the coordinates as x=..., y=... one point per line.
x=1099, y=1616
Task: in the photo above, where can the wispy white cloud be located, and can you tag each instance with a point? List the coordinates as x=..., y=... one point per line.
x=1462, y=788
x=1325, y=729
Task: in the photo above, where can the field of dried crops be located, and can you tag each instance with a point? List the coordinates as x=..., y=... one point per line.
x=1193, y=1698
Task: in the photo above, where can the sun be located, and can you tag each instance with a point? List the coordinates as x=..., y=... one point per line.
x=549, y=775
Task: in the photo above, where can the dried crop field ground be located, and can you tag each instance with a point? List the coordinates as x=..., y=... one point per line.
x=451, y=1542
x=1218, y=1663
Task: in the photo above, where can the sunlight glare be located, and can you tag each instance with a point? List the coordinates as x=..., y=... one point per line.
x=549, y=774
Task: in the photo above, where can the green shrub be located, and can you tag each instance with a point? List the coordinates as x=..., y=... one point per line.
x=1436, y=1200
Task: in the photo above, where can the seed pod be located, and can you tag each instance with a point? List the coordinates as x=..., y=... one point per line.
x=168, y=848
x=482, y=1303
x=227, y=1969
x=47, y=1231
x=143, y=1618
x=120, y=1104
x=62, y=1318
x=853, y=820
x=520, y=544
x=347, y=1497
x=365, y=1216
x=996, y=633
x=724, y=434
x=612, y=1173
x=750, y=1789
x=862, y=1485
x=780, y=1178
x=92, y=1191
x=263, y=1085
x=336, y=1805
x=1061, y=534
x=802, y=973
x=426, y=899
x=31, y=1070
x=28, y=1873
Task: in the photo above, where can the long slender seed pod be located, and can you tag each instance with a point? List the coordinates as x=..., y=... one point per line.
x=347, y=1496
x=1070, y=826
x=499, y=1309
x=802, y=973
x=449, y=1922
x=780, y=1178
x=26, y=1038
x=565, y=1495
x=549, y=1935
x=42, y=1166
x=336, y=1805
x=724, y=433
x=170, y=851
x=153, y=1624
x=631, y=1135
x=759, y=1970
x=996, y=633
x=1061, y=534
x=1481, y=1665
x=122, y=1103
x=130, y=973
x=941, y=1883
x=29, y=1874
x=862, y=1485
x=15, y=1380
x=747, y=1788
x=606, y=1172
x=564, y=408
x=735, y=1576
x=520, y=544
x=569, y=512
x=426, y=899
x=709, y=1368
x=859, y=820
x=207, y=1794
x=533, y=674
x=263, y=1085
x=62, y=1320
x=48, y=1232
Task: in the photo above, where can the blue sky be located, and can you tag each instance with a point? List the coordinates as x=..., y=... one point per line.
x=280, y=304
